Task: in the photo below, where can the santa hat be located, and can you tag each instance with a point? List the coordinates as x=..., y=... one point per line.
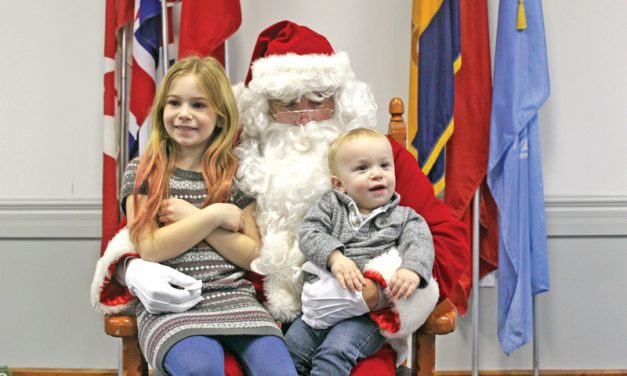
x=290, y=60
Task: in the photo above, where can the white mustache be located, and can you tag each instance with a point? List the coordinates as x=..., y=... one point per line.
x=278, y=136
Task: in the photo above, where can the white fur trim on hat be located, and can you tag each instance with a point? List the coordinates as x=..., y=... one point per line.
x=290, y=76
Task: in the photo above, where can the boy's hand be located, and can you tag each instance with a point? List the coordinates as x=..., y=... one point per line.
x=345, y=271
x=175, y=209
x=404, y=282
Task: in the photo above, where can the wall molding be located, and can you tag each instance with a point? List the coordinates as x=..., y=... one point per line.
x=64, y=219
x=576, y=216
x=566, y=216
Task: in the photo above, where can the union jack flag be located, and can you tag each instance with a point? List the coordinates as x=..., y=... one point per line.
x=146, y=65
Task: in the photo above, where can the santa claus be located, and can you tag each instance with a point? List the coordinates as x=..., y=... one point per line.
x=298, y=96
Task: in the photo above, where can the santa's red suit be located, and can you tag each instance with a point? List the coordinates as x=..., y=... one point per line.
x=284, y=167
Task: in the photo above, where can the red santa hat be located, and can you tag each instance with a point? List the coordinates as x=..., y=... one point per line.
x=290, y=60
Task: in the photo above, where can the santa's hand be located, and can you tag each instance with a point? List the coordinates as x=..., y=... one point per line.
x=325, y=302
x=153, y=284
x=346, y=271
x=403, y=283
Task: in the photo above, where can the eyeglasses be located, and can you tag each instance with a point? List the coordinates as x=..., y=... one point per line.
x=293, y=117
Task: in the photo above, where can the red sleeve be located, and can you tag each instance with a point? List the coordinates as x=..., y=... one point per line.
x=112, y=292
x=257, y=281
x=450, y=236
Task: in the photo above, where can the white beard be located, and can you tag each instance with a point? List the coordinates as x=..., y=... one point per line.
x=286, y=170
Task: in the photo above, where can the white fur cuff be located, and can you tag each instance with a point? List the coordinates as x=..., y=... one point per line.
x=117, y=250
x=407, y=314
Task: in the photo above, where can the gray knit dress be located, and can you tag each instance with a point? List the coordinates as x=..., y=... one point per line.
x=229, y=306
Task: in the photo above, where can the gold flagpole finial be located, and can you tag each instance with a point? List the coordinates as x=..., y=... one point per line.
x=521, y=23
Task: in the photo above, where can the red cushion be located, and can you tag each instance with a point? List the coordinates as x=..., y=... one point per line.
x=383, y=363
x=231, y=366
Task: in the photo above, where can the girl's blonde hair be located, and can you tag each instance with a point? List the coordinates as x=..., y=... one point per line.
x=348, y=136
x=218, y=163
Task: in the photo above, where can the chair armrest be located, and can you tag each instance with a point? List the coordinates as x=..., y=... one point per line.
x=442, y=319
x=120, y=325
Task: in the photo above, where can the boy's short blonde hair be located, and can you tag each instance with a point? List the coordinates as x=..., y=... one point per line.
x=348, y=136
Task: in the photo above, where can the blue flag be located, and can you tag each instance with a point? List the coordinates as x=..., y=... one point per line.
x=521, y=86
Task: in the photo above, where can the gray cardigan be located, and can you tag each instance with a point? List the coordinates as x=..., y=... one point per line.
x=327, y=227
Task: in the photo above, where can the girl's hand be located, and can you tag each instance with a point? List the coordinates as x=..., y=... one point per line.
x=175, y=209
x=231, y=217
x=346, y=271
x=404, y=282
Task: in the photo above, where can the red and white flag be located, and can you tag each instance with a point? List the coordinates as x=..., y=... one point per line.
x=118, y=13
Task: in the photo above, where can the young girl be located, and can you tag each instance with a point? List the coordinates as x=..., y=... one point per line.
x=184, y=212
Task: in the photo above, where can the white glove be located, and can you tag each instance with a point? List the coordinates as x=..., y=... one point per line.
x=153, y=284
x=325, y=302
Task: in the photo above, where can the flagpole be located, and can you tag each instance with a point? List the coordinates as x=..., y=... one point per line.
x=123, y=136
x=164, y=37
x=475, y=283
x=536, y=368
x=226, y=59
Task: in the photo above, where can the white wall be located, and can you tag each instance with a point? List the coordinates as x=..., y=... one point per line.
x=51, y=99
x=51, y=137
x=583, y=140
x=580, y=321
x=44, y=304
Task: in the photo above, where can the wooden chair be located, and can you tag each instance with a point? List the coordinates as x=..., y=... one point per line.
x=441, y=321
x=125, y=327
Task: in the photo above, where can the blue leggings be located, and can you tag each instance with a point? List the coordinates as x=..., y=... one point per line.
x=202, y=355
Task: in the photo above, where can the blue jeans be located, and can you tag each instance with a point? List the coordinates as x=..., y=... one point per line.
x=335, y=350
x=204, y=356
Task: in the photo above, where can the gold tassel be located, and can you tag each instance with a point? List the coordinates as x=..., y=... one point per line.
x=521, y=23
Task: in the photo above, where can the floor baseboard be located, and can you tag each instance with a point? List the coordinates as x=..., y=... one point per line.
x=573, y=372
x=113, y=372
x=63, y=372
